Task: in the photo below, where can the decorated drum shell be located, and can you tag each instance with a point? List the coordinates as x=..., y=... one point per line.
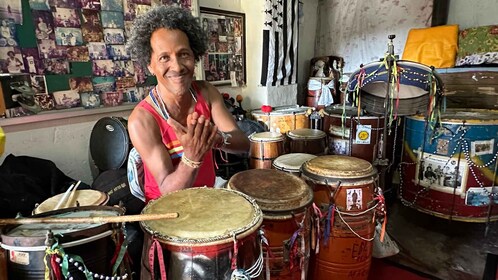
x=284, y=118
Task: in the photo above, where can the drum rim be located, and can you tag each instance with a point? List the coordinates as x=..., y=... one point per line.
x=319, y=135
x=305, y=172
x=241, y=233
x=278, y=137
x=102, y=201
x=468, y=120
x=103, y=122
x=290, y=155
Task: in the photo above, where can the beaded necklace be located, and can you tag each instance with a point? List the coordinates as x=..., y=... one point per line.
x=161, y=105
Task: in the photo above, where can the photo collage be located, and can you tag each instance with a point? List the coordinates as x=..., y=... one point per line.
x=68, y=32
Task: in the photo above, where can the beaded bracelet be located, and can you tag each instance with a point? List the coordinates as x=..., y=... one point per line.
x=190, y=163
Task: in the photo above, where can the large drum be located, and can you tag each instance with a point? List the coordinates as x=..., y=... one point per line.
x=307, y=140
x=285, y=200
x=25, y=244
x=291, y=163
x=414, y=83
x=283, y=119
x=79, y=198
x=215, y=236
x=265, y=147
x=451, y=168
x=354, y=136
x=344, y=191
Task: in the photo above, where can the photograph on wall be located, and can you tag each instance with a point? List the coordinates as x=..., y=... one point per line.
x=47, y=48
x=443, y=173
x=91, y=27
x=8, y=33
x=353, y=199
x=78, y=53
x=11, y=9
x=483, y=147
x=123, y=68
x=69, y=4
x=11, y=60
x=81, y=84
x=103, y=84
x=125, y=82
x=32, y=61
x=41, y=5
x=97, y=51
x=65, y=36
x=114, y=36
x=64, y=17
x=127, y=28
x=480, y=196
x=90, y=4
x=103, y=67
x=13, y=87
x=112, y=98
x=117, y=52
x=144, y=91
x=112, y=19
x=131, y=95
x=112, y=5
x=45, y=101
x=129, y=10
x=60, y=52
x=90, y=100
x=141, y=9
x=66, y=99
x=149, y=2
x=38, y=84
x=140, y=76
x=44, y=25
x=56, y=66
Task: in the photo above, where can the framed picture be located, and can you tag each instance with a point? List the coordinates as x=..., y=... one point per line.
x=225, y=62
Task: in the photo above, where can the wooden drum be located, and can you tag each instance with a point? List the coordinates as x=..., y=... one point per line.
x=215, y=236
x=265, y=148
x=285, y=200
x=79, y=198
x=344, y=191
x=283, y=119
x=291, y=163
x=308, y=141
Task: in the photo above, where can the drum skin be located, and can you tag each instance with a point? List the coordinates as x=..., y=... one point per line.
x=79, y=198
x=199, y=244
x=291, y=163
x=308, y=141
x=347, y=183
x=265, y=147
x=283, y=119
x=433, y=156
x=285, y=200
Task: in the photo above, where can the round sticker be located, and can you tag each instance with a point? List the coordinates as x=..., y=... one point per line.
x=363, y=135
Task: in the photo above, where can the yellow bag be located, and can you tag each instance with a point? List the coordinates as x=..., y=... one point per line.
x=2, y=141
x=433, y=46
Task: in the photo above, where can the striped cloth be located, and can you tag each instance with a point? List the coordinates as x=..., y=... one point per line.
x=135, y=170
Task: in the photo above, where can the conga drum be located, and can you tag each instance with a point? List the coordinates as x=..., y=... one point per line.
x=283, y=119
x=79, y=198
x=265, y=147
x=285, y=200
x=308, y=141
x=216, y=236
x=451, y=167
x=291, y=163
x=343, y=189
x=86, y=247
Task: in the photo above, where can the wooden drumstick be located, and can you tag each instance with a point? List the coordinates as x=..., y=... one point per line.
x=89, y=220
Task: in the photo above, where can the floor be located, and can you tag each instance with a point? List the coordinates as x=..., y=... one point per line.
x=383, y=269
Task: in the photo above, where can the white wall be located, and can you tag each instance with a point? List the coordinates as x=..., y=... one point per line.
x=473, y=13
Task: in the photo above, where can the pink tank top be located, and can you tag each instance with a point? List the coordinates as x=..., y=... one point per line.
x=206, y=175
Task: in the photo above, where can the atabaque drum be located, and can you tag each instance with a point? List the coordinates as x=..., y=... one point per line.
x=216, y=236
x=343, y=189
x=417, y=84
x=284, y=118
x=88, y=246
x=451, y=167
x=264, y=148
x=291, y=163
x=353, y=135
x=307, y=140
x=79, y=198
x=285, y=200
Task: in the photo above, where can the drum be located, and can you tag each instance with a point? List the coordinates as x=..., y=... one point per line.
x=265, y=147
x=215, y=236
x=317, y=87
x=308, y=141
x=451, y=168
x=285, y=201
x=79, y=198
x=343, y=189
x=283, y=119
x=291, y=163
x=110, y=143
x=415, y=81
x=352, y=135
x=90, y=245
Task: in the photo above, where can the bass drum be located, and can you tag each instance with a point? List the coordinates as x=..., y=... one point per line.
x=110, y=143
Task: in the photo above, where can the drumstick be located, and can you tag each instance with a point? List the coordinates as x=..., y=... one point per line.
x=89, y=220
x=64, y=197
x=71, y=196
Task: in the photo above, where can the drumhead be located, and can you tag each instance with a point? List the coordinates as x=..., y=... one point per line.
x=337, y=167
x=83, y=197
x=480, y=116
x=283, y=110
x=306, y=133
x=274, y=191
x=109, y=143
x=206, y=216
x=266, y=137
x=291, y=162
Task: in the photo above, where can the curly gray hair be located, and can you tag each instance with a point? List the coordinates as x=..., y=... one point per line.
x=165, y=17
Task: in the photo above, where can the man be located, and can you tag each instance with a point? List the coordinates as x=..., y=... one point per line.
x=175, y=128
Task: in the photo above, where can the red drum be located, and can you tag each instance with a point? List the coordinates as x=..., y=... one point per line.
x=215, y=236
x=308, y=141
x=354, y=136
x=285, y=200
x=283, y=119
x=343, y=189
x=264, y=149
x=291, y=163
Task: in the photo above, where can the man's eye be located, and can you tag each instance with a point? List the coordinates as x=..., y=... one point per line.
x=163, y=58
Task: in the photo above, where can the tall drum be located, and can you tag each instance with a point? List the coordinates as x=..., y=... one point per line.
x=265, y=147
x=344, y=190
x=215, y=236
x=451, y=168
x=285, y=200
x=307, y=140
x=283, y=119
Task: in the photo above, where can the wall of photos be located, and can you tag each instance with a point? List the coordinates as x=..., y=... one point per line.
x=70, y=53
